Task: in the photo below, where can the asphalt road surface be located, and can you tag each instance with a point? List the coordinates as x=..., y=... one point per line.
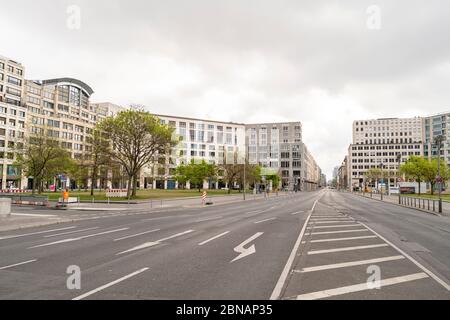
x=319, y=245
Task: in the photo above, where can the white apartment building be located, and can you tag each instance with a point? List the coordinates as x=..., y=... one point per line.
x=378, y=142
x=213, y=141
x=13, y=114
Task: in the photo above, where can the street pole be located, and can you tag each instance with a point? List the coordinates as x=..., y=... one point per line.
x=438, y=141
x=399, y=159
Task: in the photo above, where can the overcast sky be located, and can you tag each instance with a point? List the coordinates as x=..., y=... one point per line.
x=324, y=63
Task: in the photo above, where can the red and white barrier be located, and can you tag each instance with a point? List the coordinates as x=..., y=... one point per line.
x=14, y=191
x=116, y=193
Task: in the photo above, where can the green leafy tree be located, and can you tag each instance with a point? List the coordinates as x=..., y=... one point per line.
x=98, y=157
x=416, y=168
x=196, y=173
x=430, y=172
x=137, y=138
x=41, y=157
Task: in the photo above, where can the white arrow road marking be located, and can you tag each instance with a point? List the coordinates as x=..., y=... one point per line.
x=246, y=252
x=76, y=239
x=151, y=244
x=87, y=294
x=30, y=234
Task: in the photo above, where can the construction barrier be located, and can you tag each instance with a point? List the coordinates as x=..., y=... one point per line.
x=14, y=191
x=116, y=193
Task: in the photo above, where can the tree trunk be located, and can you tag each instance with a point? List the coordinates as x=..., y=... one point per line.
x=129, y=188
x=34, y=187
x=432, y=188
x=92, y=182
x=419, y=187
x=134, y=193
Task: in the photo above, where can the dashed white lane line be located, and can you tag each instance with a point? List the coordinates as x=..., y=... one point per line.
x=87, y=294
x=151, y=244
x=360, y=287
x=208, y=219
x=266, y=220
x=17, y=264
x=340, y=231
x=332, y=218
x=70, y=232
x=343, y=239
x=34, y=233
x=287, y=268
x=137, y=235
x=431, y=274
x=295, y=213
x=213, y=238
x=329, y=227
x=348, y=249
x=79, y=238
x=348, y=264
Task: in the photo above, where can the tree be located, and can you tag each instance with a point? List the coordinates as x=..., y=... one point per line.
x=415, y=168
x=136, y=138
x=195, y=173
x=41, y=157
x=430, y=172
x=373, y=175
x=98, y=156
x=231, y=173
x=79, y=172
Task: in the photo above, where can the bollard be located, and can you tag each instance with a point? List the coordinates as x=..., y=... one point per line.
x=5, y=207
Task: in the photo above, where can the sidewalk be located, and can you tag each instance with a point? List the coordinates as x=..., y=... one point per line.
x=26, y=217
x=394, y=200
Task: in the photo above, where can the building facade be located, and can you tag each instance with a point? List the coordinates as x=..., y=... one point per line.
x=13, y=115
x=437, y=125
x=378, y=142
x=214, y=142
x=279, y=147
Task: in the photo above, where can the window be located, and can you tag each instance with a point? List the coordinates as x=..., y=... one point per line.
x=49, y=105
x=14, y=92
x=14, y=81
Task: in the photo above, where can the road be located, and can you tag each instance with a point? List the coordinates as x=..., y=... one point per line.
x=315, y=245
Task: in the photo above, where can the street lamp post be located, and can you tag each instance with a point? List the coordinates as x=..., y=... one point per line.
x=438, y=141
x=381, y=191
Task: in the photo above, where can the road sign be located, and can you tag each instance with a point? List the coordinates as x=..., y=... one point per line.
x=438, y=179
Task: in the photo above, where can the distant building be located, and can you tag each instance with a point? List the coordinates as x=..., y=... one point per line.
x=378, y=142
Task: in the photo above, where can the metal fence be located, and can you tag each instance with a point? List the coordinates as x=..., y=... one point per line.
x=434, y=205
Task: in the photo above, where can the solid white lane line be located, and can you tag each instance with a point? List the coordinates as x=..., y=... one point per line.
x=258, y=222
x=151, y=244
x=213, y=238
x=287, y=268
x=79, y=238
x=349, y=264
x=33, y=215
x=341, y=226
x=431, y=274
x=325, y=222
x=87, y=294
x=348, y=249
x=341, y=231
x=33, y=233
x=360, y=287
x=137, y=235
x=70, y=232
x=331, y=219
x=17, y=264
x=343, y=239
